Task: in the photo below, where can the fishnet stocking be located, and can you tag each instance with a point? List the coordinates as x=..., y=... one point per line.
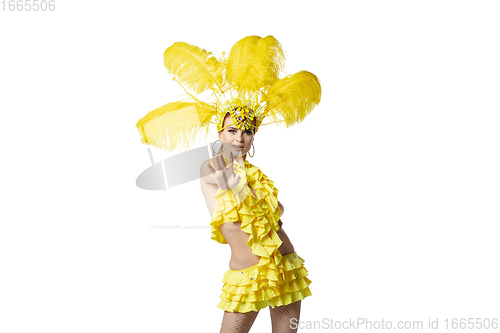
x=281, y=317
x=236, y=322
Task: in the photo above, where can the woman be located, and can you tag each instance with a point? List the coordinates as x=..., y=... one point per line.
x=264, y=270
x=239, y=315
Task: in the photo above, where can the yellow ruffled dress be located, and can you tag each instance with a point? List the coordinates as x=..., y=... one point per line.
x=276, y=280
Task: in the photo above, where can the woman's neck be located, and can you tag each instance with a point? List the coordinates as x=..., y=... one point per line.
x=240, y=159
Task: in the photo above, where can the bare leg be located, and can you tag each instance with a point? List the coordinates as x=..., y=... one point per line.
x=281, y=317
x=236, y=322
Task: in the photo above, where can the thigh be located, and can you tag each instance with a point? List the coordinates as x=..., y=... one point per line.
x=237, y=321
x=285, y=317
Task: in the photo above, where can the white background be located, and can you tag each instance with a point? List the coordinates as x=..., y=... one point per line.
x=390, y=186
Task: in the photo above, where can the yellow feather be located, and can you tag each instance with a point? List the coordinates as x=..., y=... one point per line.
x=292, y=98
x=172, y=124
x=194, y=67
x=237, y=61
x=264, y=64
x=254, y=63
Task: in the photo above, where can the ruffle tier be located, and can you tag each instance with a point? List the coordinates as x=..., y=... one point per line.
x=250, y=289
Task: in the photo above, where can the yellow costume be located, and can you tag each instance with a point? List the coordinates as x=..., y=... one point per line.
x=276, y=280
x=246, y=85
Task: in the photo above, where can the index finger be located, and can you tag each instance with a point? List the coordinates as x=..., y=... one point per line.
x=222, y=162
x=210, y=167
x=217, y=163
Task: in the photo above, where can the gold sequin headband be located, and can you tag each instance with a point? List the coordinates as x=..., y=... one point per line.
x=242, y=112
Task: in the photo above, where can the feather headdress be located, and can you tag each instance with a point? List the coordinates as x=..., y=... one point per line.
x=246, y=85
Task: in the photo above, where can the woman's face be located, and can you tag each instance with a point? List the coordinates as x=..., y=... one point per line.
x=236, y=137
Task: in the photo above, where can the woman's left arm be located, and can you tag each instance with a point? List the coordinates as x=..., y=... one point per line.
x=281, y=207
x=282, y=211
